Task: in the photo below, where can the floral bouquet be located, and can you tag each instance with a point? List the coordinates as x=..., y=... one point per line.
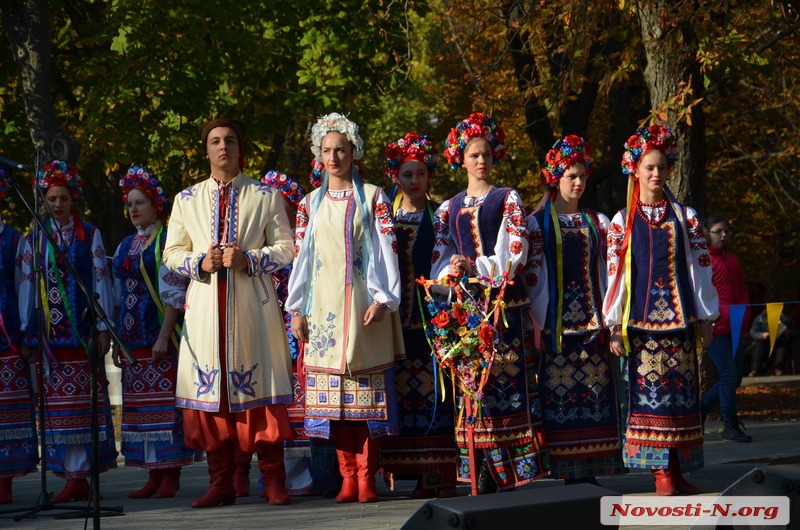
x=462, y=332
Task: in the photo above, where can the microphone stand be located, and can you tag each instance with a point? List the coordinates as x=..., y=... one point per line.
x=96, y=312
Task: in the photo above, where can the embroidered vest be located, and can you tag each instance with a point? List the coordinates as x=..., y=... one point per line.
x=661, y=288
x=138, y=324
x=474, y=231
x=580, y=290
x=80, y=252
x=414, y=249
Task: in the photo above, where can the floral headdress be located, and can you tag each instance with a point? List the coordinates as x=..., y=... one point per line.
x=138, y=178
x=338, y=123
x=566, y=153
x=3, y=186
x=412, y=146
x=647, y=139
x=474, y=126
x=59, y=173
x=290, y=190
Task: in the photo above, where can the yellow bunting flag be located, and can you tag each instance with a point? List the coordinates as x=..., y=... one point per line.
x=774, y=310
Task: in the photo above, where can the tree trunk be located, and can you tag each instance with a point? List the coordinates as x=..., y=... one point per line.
x=28, y=30
x=672, y=76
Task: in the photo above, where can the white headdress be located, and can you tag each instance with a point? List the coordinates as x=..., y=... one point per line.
x=336, y=122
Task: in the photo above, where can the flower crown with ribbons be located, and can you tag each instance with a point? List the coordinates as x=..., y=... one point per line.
x=476, y=126
x=139, y=178
x=412, y=146
x=655, y=137
x=289, y=189
x=566, y=153
x=335, y=122
x=60, y=173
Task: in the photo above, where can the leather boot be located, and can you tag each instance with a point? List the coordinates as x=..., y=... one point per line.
x=150, y=487
x=681, y=483
x=241, y=477
x=664, y=483
x=170, y=483
x=5, y=491
x=367, y=460
x=273, y=473
x=76, y=489
x=348, y=467
x=220, y=470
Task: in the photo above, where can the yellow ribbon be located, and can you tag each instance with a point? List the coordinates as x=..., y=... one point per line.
x=174, y=333
x=559, y=322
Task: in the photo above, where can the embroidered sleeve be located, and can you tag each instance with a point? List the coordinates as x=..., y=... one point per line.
x=276, y=251
x=172, y=287
x=614, y=300
x=706, y=300
x=23, y=275
x=102, y=280
x=179, y=255
x=535, y=274
x=383, y=279
x=444, y=247
x=300, y=271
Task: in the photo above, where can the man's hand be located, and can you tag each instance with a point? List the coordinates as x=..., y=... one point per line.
x=233, y=257
x=213, y=260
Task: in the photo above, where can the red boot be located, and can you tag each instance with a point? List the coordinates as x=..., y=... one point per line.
x=367, y=460
x=5, y=491
x=220, y=469
x=665, y=485
x=273, y=473
x=170, y=483
x=348, y=467
x=150, y=487
x=76, y=489
x=241, y=477
x=683, y=485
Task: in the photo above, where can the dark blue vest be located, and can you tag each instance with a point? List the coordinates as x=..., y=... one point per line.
x=137, y=324
x=661, y=287
x=477, y=237
x=61, y=332
x=581, y=247
x=414, y=249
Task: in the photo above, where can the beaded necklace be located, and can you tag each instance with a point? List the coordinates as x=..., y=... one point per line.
x=660, y=208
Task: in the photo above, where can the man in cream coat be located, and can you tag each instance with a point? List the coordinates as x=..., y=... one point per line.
x=228, y=233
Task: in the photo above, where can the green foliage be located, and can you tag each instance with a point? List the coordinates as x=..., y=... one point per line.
x=133, y=80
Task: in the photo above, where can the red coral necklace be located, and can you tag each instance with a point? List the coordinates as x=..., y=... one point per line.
x=660, y=208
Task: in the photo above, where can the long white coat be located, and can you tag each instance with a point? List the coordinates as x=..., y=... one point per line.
x=258, y=364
